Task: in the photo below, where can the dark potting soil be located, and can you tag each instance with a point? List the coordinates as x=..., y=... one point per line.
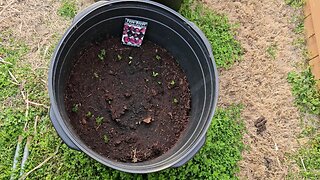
x=128, y=104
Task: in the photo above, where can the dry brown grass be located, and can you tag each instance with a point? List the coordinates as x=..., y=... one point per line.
x=259, y=82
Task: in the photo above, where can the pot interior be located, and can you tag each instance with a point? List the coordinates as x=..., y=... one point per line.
x=164, y=29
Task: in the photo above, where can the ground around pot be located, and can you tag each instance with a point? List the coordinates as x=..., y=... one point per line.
x=271, y=34
x=265, y=31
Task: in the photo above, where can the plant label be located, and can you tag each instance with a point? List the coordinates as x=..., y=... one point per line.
x=133, y=32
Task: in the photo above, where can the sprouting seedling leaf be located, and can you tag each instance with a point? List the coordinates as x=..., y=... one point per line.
x=119, y=57
x=172, y=83
x=105, y=139
x=175, y=100
x=96, y=75
x=130, y=57
x=159, y=82
x=89, y=114
x=158, y=57
x=130, y=62
x=155, y=74
x=75, y=108
x=99, y=120
x=102, y=54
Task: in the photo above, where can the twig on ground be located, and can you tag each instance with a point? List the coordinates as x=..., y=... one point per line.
x=45, y=52
x=31, y=102
x=41, y=164
x=8, y=5
x=16, y=155
x=45, y=82
x=27, y=107
x=3, y=61
x=23, y=96
x=14, y=83
x=38, y=104
x=304, y=167
x=35, y=126
x=13, y=77
x=276, y=149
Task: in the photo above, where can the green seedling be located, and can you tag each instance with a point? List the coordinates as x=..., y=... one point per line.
x=175, y=101
x=106, y=139
x=99, y=120
x=119, y=57
x=272, y=51
x=155, y=74
x=130, y=62
x=102, y=54
x=159, y=82
x=158, y=57
x=172, y=83
x=89, y=114
x=130, y=57
x=96, y=75
x=75, y=108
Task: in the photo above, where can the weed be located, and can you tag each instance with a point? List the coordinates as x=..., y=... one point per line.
x=105, y=139
x=75, y=108
x=218, y=30
x=102, y=54
x=310, y=156
x=295, y=3
x=155, y=74
x=158, y=57
x=299, y=27
x=272, y=51
x=99, y=120
x=307, y=98
x=68, y=9
x=303, y=87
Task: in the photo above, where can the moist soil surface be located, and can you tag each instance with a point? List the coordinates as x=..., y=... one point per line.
x=128, y=104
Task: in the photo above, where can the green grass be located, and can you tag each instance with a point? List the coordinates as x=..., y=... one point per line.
x=218, y=30
x=68, y=9
x=295, y=3
x=307, y=98
x=217, y=159
x=272, y=51
x=310, y=156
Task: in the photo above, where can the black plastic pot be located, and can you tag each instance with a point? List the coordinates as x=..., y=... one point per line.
x=166, y=28
x=176, y=4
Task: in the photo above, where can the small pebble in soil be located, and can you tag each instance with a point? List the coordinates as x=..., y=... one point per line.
x=147, y=120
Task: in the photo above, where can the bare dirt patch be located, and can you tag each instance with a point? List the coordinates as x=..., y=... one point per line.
x=259, y=82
